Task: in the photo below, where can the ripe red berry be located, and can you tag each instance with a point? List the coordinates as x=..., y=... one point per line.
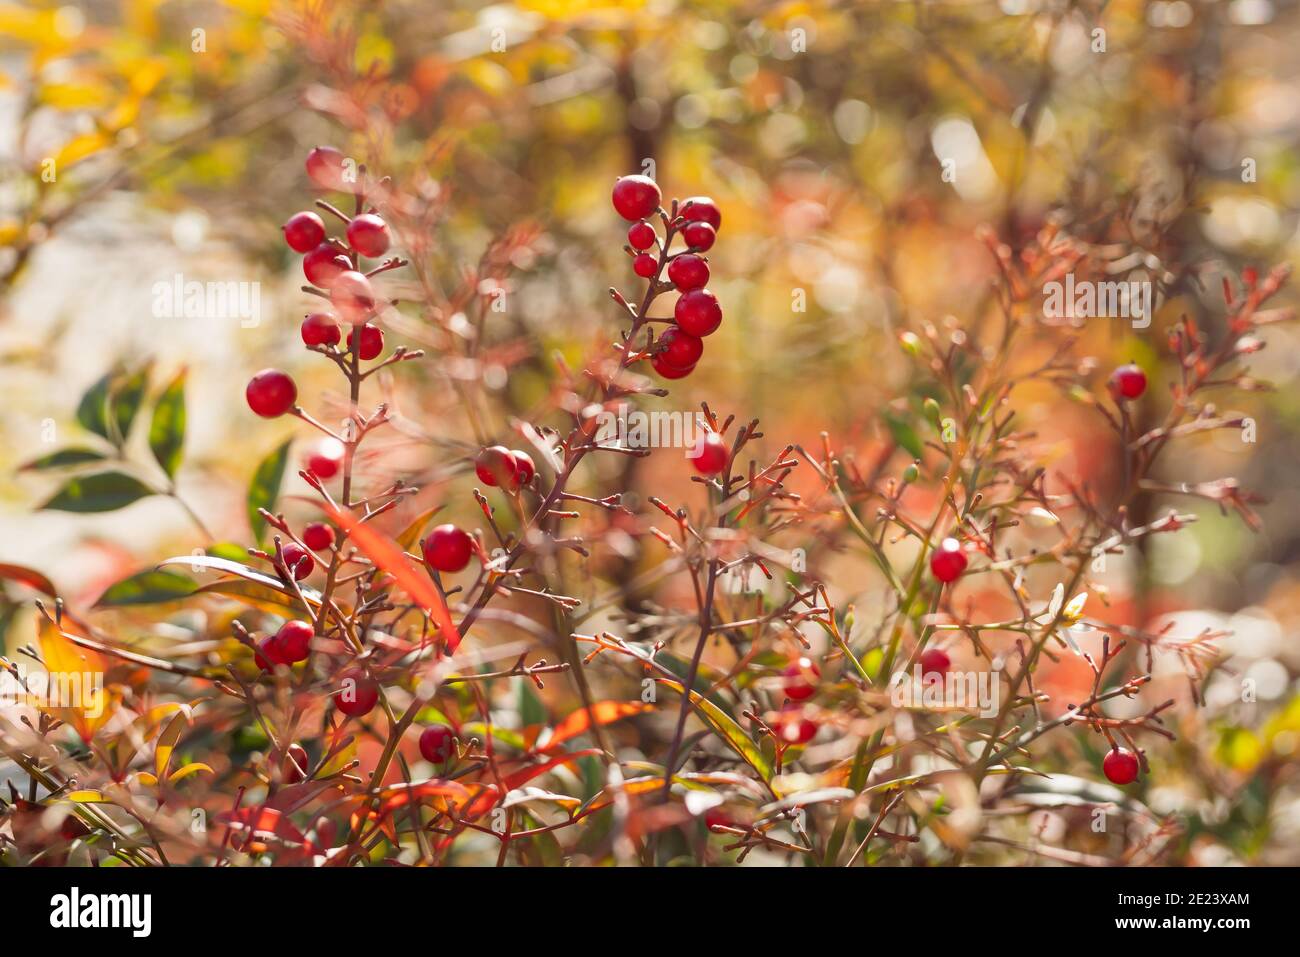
x=267, y=655
x=296, y=763
x=715, y=817
x=699, y=236
x=636, y=197
x=801, y=679
x=1121, y=766
x=372, y=341
x=298, y=560
x=688, y=272
x=948, y=561
x=353, y=296
x=304, y=231
x=793, y=727
x=496, y=466
x=318, y=536
x=680, y=349
x=436, y=744
x=641, y=236
x=368, y=235
x=709, y=456
x=360, y=693
x=1127, y=382
x=324, y=264
x=271, y=393
x=524, y=463
x=701, y=209
x=293, y=641
x=326, y=458
x=698, y=312
x=934, y=661
x=320, y=329
x=645, y=265
x=325, y=167
x=448, y=548
x=667, y=370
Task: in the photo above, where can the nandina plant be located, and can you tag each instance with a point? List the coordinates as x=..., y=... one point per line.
x=346, y=710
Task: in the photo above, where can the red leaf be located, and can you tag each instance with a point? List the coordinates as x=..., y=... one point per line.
x=579, y=721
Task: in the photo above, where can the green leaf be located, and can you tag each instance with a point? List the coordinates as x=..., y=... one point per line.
x=101, y=492
x=265, y=487
x=62, y=459
x=125, y=398
x=904, y=434
x=147, y=588
x=730, y=732
x=167, y=429
x=531, y=709
x=92, y=410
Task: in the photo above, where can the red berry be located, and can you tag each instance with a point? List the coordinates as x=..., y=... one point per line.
x=1127, y=382
x=688, y=272
x=524, y=462
x=359, y=695
x=948, y=561
x=318, y=536
x=792, y=727
x=368, y=235
x=293, y=640
x=801, y=679
x=296, y=763
x=353, y=296
x=636, y=197
x=699, y=235
x=710, y=456
x=934, y=661
x=320, y=329
x=698, y=312
x=669, y=371
x=267, y=655
x=645, y=265
x=1121, y=766
x=496, y=466
x=324, y=264
x=325, y=167
x=680, y=349
x=326, y=458
x=436, y=744
x=372, y=340
x=304, y=232
x=298, y=560
x=701, y=209
x=271, y=393
x=641, y=236
x=72, y=828
x=448, y=548
x=716, y=817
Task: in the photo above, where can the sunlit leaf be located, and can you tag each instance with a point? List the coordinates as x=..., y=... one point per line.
x=29, y=577
x=147, y=588
x=167, y=429
x=264, y=489
x=124, y=400
x=732, y=733
x=579, y=721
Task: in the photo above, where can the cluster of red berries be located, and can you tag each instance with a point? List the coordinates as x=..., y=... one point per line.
x=509, y=469
x=697, y=313
x=289, y=645
x=334, y=267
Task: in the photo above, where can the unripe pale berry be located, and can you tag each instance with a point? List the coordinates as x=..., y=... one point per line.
x=801, y=679
x=294, y=641
x=353, y=296
x=948, y=561
x=326, y=458
x=496, y=466
x=436, y=744
x=304, y=231
x=1127, y=382
x=324, y=264
x=368, y=235
x=318, y=536
x=636, y=197
x=360, y=694
x=641, y=236
x=1121, y=766
x=271, y=393
x=448, y=549
x=934, y=661
x=709, y=456
x=667, y=370
x=645, y=265
x=372, y=341
x=699, y=236
x=298, y=560
x=701, y=209
x=698, y=312
x=680, y=349
x=325, y=167
x=524, y=463
x=321, y=329
x=688, y=272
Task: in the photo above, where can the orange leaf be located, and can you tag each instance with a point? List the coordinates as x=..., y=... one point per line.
x=75, y=692
x=579, y=721
x=385, y=553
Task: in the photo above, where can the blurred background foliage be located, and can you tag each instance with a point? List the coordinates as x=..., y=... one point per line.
x=148, y=138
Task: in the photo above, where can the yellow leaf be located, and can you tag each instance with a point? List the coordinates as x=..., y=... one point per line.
x=180, y=774
x=75, y=690
x=87, y=797
x=162, y=755
x=79, y=147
